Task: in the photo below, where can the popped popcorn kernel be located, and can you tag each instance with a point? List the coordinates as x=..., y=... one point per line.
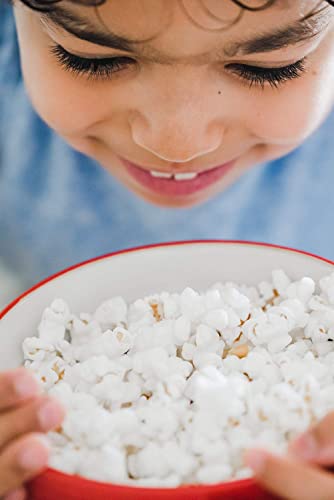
x=173, y=389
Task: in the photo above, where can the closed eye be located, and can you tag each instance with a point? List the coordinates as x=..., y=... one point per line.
x=260, y=76
x=105, y=68
x=94, y=68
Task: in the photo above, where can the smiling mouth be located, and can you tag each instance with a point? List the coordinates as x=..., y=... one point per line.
x=182, y=176
x=177, y=184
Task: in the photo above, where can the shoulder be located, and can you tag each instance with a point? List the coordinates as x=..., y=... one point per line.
x=10, y=72
x=325, y=133
x=315, y=151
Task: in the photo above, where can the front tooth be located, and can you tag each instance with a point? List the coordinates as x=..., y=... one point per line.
x=161, y=175
x=187, y=176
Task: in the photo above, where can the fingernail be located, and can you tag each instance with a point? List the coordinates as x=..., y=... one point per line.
x=256, y=460
x=305, y=446
x=25, y=385
x=50, y=415
x=34, y=454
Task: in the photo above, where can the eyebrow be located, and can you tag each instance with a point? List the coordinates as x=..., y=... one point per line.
x=301, y=30
x=84, y=30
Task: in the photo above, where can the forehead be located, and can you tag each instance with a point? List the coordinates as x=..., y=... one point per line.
x=187, y=27
x=139, y=18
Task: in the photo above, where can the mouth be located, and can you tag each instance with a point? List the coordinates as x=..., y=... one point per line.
x=177, y=183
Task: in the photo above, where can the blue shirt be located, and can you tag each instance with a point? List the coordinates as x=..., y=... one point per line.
x=58, y=207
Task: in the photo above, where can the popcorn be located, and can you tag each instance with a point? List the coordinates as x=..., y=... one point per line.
x=180, y=461
x=188, y=351
x=151, y=363
x=182, y=330
x=159, y=335
x=140, y=314
x=107, y=464
x=50, y=370
x=217, y=319
x=157, y=421
x=36, y=349
x=238, y=302
x=174, y=388
x=150, y=461
x=91, y=428
x=280, y=281
x=266, y=290
x=212, y=299
x=84, y=329
x=112, y=343
x=211, y=474
x=327, y=287
x=171, y=481
x=170, y=306
x=302, y=290
x=203, y=359
x=217, y=452
x=112, y=313
x=278, y=343
x=192, y=304
x=52, y=327
x=206, y=336
x=111, y=390
x=51, y=331
x=67, y=459
x=64, y=393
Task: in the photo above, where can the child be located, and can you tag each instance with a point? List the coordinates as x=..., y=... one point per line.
x=177, y=100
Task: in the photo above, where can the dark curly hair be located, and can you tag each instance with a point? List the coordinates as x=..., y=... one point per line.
x=46, y=5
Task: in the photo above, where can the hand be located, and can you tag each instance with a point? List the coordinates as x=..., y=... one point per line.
x=25, y=415
x=301, y=474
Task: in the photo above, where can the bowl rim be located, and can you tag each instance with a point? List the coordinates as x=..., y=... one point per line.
x=228, y=486
x=130, y=250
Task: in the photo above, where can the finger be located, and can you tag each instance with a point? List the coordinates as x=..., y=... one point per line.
x=17, y=386
x=317, y=444
x=289, y=478
x=21, y=461
x=39, y=415
x=19, y=494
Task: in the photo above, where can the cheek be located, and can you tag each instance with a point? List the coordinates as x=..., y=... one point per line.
x=290, y=116
x=68, y=107
x=68, y=104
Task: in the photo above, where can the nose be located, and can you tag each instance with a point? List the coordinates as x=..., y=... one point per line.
x=178, y=137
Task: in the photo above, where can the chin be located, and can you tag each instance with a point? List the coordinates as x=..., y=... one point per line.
x=181, y=202
x=174, y=203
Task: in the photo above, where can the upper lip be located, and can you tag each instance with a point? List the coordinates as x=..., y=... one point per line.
x=172, y=170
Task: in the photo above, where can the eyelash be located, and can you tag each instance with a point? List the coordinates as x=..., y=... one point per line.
x=104, y=69
x=97, y=69
x=275, y=77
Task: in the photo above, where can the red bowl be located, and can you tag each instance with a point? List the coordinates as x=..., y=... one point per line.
x=171, y=266
x=52, y=485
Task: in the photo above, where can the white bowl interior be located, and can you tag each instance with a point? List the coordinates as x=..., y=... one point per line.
x=141, y=272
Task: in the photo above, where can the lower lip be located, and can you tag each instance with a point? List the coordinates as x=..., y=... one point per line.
x=171, y=187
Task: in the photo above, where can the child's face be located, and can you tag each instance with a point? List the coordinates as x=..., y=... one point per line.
x=179, y=99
